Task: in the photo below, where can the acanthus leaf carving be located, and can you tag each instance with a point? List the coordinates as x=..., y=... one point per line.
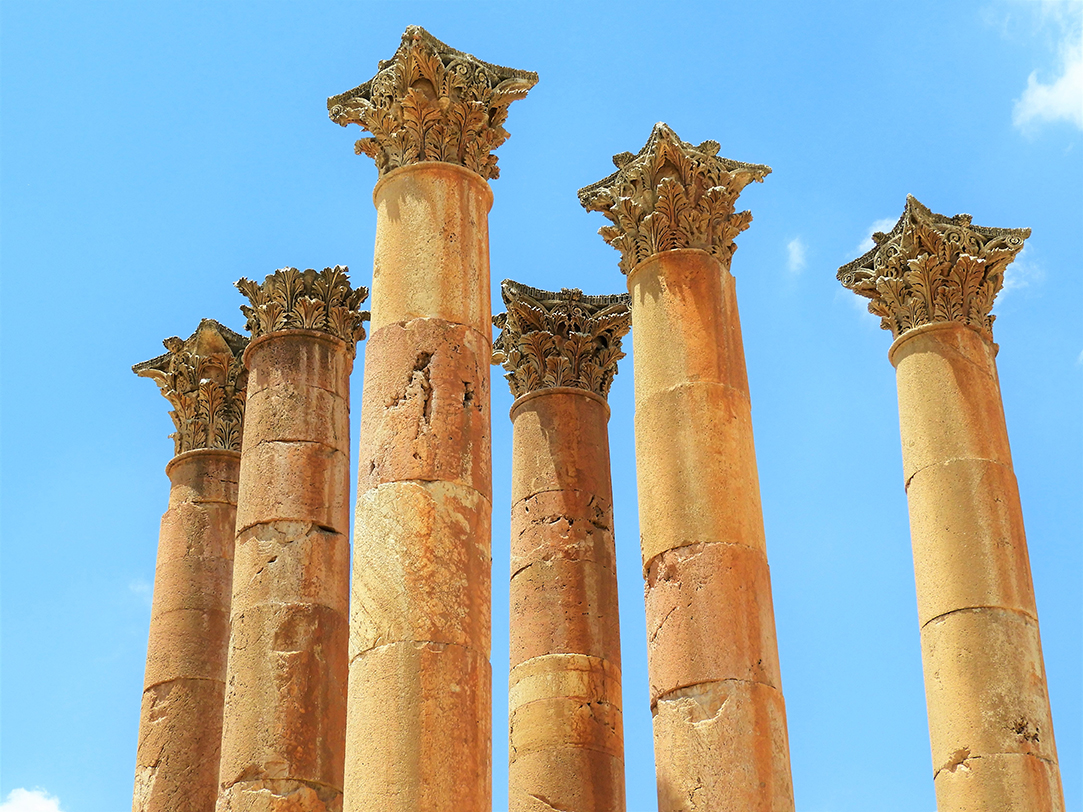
x=672, y=195
x=430, y=102
x=549, y=339
x=203, y=377
x=934, y=269
x=307, y=300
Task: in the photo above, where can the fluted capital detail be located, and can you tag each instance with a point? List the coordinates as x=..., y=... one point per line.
x=672, y=195
x=290, y=299
x=930, y=268
x=204, y=379
x=430, y=102
x=550, y=339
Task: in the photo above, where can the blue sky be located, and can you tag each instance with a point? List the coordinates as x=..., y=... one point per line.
x=154, y=153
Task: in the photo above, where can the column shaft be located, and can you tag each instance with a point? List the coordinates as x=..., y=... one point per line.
x=719, y=717
x=180, y=723
x=567, y=740
x=283, y=737
x=989, y=716
x=419, y=726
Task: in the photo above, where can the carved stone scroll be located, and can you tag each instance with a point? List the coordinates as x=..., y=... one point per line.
x=430, y=102
x=552, y=339
x=204, y=379
x=290, y=299
x=672, y=195
x=930, y=268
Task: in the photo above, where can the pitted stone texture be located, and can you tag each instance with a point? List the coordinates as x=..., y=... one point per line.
x=294, y=481
x=422, y=713
x=563, y=722
x=560, y=442
x=422, y=566
x=949, y=398
x=179, y=739
x=970, y=546
x=572, y=676
x=202, y=477
x=698, y=480
x=284, y=697
x=291, y=362
x=198, y=531
x=286, y=562
x=283, y=795
x=425, y=406
x=710, y=618
x=539, y=782
x=1000, y=783
x=688, y=299
x=726, y=748
x=298, y=388
x=432, y=247
x=570, y=525
x=564, y=607
x=985, y=686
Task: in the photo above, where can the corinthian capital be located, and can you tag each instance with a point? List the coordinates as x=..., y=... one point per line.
x=930, y=268
x=290, y=299
x=204, y=380
x=672, y=195
x=430, y=102
x=552, y=339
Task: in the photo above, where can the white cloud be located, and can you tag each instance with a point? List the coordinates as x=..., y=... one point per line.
x=1022, y=273
x=30, y=800
x=1062, y=98
x=796, y=251
x=866, y=244
x=140, y=588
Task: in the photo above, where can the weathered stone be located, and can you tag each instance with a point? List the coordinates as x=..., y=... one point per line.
x=539, y=784
x=283, y=737
x=179, y=741
x=430, y=102
x=432, y=247
x=949, y=398
x=426, y=710
x=933, y=281
x=567, y=524
x=556, y=445
x=722, y=745
x=985, y=685
x=420, y=573
x=720, y=742
x=425, y=406
x=969, y=550
x=710, y=618
x=569, y=676
x=549, y=339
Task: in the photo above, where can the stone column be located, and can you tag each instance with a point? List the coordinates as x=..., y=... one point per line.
x=419, y=726
x=567, y=737
x=933, y=280
x=285, y=710
x=719, y=718
x=180, y=723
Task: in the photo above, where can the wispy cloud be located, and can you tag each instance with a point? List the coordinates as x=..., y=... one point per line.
x=141, y=589
x=796, y=259
x=866, y=244
x=1060, y=99
x=1022, y=273
x=30, y=800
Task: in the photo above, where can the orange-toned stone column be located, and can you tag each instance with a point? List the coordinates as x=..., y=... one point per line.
x=285, y=711
x=719, y=718
x=180, y=724
x=566, y=725
x=419, y=729
x=933, y=280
